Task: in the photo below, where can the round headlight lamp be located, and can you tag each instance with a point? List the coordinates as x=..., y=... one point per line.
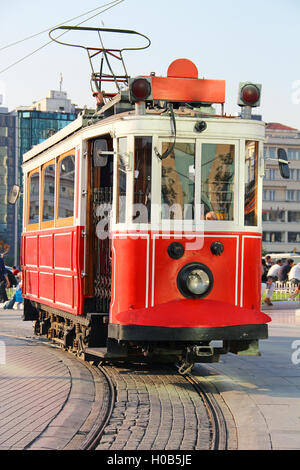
x=195, y=280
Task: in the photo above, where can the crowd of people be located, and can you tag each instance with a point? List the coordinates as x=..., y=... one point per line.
x=279, y=271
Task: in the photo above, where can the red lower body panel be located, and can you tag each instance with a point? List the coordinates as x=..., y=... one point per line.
x=52, y=262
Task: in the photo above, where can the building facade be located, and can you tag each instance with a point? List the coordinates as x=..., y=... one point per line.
x=7, y=177
x=281, y=197
x=20, y=130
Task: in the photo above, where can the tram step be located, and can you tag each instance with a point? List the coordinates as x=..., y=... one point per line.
x=103, y=353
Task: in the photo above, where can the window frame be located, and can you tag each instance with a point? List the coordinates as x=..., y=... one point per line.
x=238, y=148
x=34, y=226
x=180, y=222
x=256, y=211
x=64, y=221
x=48, y=223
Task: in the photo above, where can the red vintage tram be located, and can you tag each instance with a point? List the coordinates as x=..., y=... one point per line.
x=142, y=223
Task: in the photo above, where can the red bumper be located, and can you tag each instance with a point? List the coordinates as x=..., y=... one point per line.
x=192, y=313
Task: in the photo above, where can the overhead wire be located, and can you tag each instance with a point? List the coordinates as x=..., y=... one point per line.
x=112, y=4
x=49, y=29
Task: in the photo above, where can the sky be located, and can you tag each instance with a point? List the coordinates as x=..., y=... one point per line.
x=232, y=40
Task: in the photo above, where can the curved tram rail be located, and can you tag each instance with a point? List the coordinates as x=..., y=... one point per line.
x=98, y=429
x=219, y=431
x=155, y=408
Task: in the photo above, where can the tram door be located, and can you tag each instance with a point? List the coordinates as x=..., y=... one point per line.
x=101, y=178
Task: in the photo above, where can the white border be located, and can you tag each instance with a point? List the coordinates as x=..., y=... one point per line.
x=157, y=235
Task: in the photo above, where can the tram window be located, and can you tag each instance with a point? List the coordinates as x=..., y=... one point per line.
x=121, y=180
x=34, y=197
x=66, y=180
x=217, y=179
x=48, y=179
x=178, y=182
x=142, y=180
x=251, y=152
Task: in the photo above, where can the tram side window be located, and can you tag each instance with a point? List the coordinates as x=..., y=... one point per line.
x=178, y=182
x=142, y=180
x=48, y=192
x=121, y=180
x=34, y=198
x=217, y=180
x=251, y=152
x=66, y=181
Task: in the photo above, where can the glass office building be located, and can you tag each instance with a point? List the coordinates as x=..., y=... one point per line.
x=36, y=126
x=7, y=178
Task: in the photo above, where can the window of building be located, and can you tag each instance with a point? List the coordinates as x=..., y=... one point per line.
x=273, y=237
x=294, y=216
x=272, y=152
x=272, y=195
x=269, y=195
x=142, y=180
x=217, y=180
x=66, y=185
x=293, y=237
x=269, y=152
x=293, y=154
x=3, y=131
x=290, y=195
x=178, y=182
x=273, y=216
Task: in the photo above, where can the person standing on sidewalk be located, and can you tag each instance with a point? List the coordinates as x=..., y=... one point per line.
x=272, y=277
x=17, y=297
x=4, y=281
x=284, y=270
x=294, y=278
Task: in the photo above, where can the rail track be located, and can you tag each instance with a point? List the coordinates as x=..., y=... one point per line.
x=151, y=407
x=156, y=408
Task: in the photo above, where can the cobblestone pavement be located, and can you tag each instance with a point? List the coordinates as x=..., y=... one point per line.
x=47, y=396
x=155, y=409
x=42, y=392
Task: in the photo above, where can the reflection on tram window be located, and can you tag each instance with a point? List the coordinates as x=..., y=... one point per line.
x=178, y=182
x=251, y=183
x=49, y=193
x=142, y=180
x=217, y=179
x=34, y=198
x=121, y=180
x=66, y=187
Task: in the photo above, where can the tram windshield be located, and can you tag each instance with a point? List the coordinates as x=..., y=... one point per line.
x=178, y=182
x=217, y=180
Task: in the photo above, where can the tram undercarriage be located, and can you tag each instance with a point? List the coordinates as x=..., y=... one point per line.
x=93, y=339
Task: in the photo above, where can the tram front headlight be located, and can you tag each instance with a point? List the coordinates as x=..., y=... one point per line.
x=195, y=280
